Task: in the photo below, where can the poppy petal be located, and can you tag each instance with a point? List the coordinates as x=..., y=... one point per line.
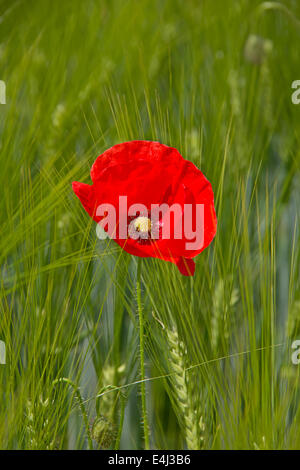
x=84, y=192
x=186, y=266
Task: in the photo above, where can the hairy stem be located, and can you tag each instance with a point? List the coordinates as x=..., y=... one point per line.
x=142, y=358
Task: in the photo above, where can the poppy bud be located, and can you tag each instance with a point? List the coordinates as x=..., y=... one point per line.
x=256, y=49
x=103, y=432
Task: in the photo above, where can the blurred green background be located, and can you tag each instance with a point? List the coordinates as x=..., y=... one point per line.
x=213, y=79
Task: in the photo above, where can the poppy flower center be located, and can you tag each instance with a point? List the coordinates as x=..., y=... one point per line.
x=142, y=224
x=142, y=229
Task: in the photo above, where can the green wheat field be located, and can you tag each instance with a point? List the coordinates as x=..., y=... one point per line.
x=212, y=78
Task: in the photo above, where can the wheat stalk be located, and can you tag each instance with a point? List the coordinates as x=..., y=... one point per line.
x=185, y=392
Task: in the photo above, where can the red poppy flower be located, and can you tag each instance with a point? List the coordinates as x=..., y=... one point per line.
x=154, y=176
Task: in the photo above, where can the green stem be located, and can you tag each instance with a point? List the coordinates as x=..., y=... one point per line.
x=117, y=443
x=77, y=393
x=142, y=358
